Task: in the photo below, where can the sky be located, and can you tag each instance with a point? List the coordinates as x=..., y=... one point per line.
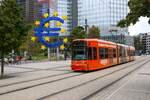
x=141, y=26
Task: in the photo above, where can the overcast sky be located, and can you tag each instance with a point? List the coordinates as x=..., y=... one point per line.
x=140, y=27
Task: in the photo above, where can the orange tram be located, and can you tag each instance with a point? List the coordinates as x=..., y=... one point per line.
x=94, y=54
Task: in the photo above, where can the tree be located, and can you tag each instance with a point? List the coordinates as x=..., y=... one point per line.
x=13, y=28
x=94, y=32
x=31, y=47
x=78, y=33
x=137, y=8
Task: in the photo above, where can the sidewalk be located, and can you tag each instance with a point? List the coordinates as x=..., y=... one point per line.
x=31, y=66
x=136, y=88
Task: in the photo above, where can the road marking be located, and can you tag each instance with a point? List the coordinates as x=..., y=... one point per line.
x=108, y=98
x=117, y=90
x=135, y=90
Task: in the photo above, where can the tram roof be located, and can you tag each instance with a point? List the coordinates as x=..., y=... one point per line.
x=96, y=40
x=103, y=41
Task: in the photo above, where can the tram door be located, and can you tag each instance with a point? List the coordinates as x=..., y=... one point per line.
x=121, y=54
x=92, y=57
x=111, y=56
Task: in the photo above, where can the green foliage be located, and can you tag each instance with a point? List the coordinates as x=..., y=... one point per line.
x=137, y=8
x=13, y=29
x=31, y=47
x=94, y=32
x=78, y=33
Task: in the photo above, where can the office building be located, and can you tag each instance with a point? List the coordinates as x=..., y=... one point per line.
x=120, y=38
x=145, y=38
x=31, y=9
x=64, y=7
x=103, y=13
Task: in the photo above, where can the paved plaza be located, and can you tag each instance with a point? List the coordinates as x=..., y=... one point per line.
x=56, y=81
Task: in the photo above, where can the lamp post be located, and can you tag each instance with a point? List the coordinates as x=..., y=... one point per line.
x=51, y=4
x=49, y=50
x=86, y=28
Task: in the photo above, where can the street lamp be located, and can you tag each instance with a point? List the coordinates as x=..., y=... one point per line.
x=86, y=28
x=51, y=4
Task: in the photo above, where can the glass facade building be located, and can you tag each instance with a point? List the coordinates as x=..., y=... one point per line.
x=103, y=13
x=31, y=9
x=64, y=8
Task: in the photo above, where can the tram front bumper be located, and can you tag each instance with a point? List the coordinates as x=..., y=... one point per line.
x=82, y=67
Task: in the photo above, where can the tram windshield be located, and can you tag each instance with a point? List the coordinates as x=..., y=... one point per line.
x=79, y=50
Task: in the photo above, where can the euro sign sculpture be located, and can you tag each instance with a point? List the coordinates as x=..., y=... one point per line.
x=43, y=31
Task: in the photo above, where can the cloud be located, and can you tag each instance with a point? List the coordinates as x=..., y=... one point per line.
x=140, y=27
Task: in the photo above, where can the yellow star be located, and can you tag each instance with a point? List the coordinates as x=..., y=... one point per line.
x=37, y=23
x=33, y=38
x=58, y=24
x=65, y=40
x=63, y=30
x=46, y=25
x=46, y=38
x=65, y=18
x=43, y=47
x=62, y=47
x=46, y=15
x=55, y=13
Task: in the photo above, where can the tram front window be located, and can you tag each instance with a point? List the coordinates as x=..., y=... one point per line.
x=79, y=51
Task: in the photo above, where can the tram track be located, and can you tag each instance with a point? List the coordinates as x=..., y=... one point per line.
x=90, y=81
x=96, y=92
x=15, y=83
x=27, y=87
x=23, y=67
x=37, y=68
x=42, y=83
x=34, y=69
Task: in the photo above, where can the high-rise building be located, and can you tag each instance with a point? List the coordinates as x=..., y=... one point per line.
x=145, y=38
x=31, y=9
x=121, y=38
x=103, y=13
x=64, y=8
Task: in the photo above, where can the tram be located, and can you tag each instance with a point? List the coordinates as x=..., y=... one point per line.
x=95, y=54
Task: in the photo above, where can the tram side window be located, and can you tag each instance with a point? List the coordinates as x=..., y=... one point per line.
x=121, y=51
x=94, y=53
x=102, y=53
x=114, y=52
x=127, y=52
x=89, y=53
x=131, y=52
x=106, y=53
